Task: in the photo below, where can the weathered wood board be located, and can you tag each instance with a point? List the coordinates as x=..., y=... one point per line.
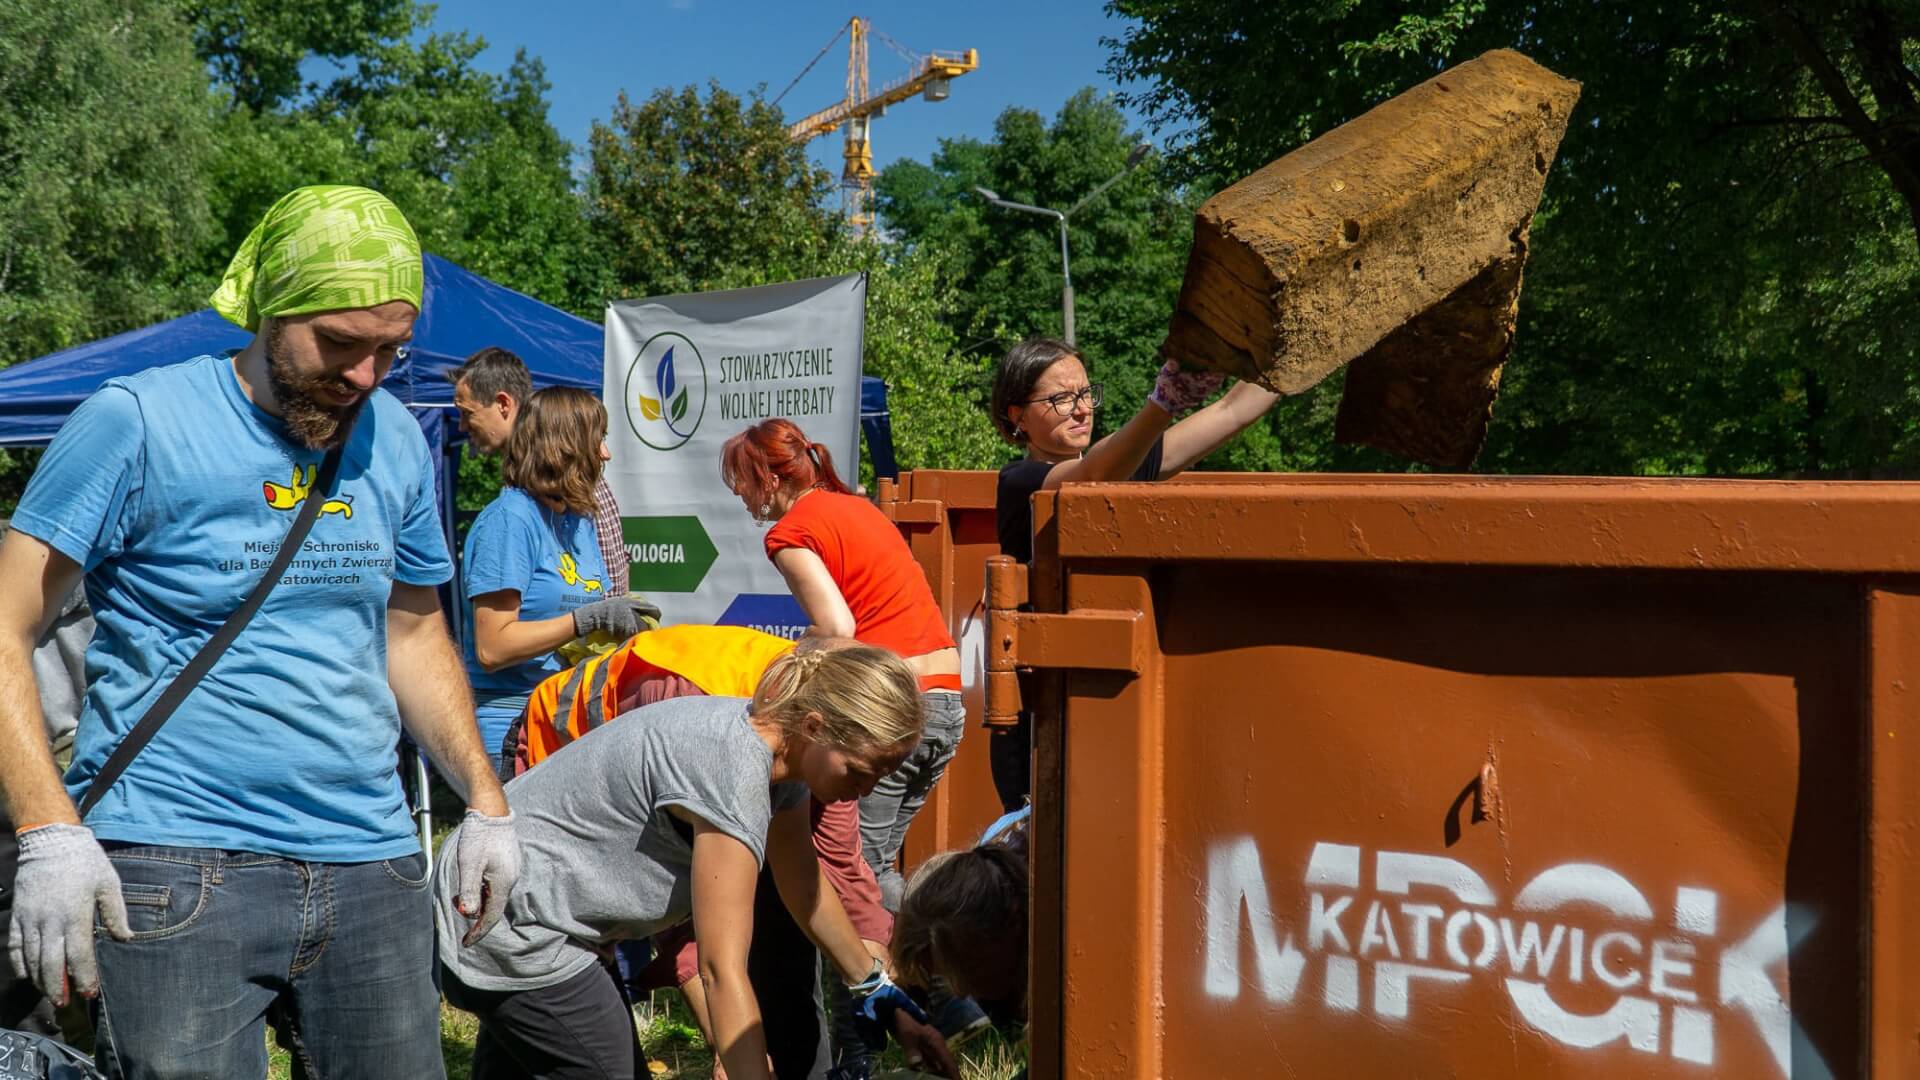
x=1394, y=242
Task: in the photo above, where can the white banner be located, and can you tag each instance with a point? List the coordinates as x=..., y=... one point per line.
x=683, y=374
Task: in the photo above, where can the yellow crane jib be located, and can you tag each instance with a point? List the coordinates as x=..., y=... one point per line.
x=929, y=76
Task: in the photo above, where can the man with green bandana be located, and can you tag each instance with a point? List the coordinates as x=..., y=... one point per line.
x=258, y=851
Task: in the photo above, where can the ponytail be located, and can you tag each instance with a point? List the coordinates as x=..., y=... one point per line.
x=775, y=454
x=824, y=476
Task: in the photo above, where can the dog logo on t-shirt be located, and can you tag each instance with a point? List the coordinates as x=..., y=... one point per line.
x=570, y=573
x=293, y=494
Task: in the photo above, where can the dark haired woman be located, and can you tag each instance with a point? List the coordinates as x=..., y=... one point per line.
x=534, y=573
x=855, y=577
x=1044, y=403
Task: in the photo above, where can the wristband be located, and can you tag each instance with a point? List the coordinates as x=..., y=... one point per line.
x=867, y=987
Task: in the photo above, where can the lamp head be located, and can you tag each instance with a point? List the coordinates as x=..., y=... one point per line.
x=985, y=194
x=1139, y=153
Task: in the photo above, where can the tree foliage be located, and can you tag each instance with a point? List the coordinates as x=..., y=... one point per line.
x=935, y=390
x=104, y=139
x=256, y=47
x=1723, y=276
x=469, y=156
x=687, y=192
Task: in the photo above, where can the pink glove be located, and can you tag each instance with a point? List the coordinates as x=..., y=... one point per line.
x=1178, y=390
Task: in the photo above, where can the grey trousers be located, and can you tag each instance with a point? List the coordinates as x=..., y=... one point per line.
x=889, y=809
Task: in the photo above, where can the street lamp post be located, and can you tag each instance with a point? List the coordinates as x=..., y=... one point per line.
x=1134, y=158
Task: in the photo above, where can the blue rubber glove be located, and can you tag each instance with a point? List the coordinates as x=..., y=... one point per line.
x=873, y=1014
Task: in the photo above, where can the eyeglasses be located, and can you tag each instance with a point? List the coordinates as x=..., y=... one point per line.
x=1066, y=401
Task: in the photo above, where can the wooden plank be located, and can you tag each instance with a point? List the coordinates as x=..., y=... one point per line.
x=1322, y=256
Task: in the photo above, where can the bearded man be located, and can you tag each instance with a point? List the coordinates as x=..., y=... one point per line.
x=257, y=853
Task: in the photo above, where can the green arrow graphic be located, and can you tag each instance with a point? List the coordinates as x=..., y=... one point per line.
x=666, y=554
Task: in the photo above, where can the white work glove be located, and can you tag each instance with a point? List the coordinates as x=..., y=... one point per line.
x=63, y=877
x=1177, y=389
x=617, y=615
x=485, y=863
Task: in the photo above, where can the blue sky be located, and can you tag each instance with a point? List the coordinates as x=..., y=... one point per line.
x=1033, y=54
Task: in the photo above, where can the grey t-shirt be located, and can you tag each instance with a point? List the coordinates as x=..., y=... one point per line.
x=601, y=859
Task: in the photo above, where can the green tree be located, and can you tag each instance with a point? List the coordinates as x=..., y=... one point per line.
x=469, y=156
x=935, y=391
x=1723, y=270
x=256, y=47
x=687, y=193
x=104, y=137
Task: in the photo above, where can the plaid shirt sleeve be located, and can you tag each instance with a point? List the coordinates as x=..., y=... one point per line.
x=613, y=544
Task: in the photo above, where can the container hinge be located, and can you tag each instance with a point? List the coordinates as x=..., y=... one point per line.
x=1089, y=640
x=1086, y=640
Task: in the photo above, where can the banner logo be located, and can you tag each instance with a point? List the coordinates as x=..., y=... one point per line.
x=666, y=391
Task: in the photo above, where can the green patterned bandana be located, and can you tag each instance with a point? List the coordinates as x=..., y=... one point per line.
x=322, y=248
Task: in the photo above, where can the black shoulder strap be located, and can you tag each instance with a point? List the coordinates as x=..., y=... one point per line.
x=203, y=661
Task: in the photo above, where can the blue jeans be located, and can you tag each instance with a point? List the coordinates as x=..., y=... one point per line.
x=888, y=809
x=219, y=936
x=494, y=716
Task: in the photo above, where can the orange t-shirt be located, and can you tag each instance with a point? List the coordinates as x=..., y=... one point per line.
x=882, y=585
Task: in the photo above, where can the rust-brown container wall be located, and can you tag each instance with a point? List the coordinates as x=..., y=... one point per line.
x=1462, y=777
x=948, y=521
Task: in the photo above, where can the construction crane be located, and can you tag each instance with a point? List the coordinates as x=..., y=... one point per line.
x=929, y=76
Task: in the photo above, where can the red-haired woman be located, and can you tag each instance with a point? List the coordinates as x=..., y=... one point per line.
x=855, y=577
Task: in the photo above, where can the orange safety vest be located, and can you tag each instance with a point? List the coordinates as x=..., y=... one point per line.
x=724, y=661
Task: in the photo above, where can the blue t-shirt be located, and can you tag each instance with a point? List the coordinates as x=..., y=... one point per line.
x=551, y=558
x=173, y=491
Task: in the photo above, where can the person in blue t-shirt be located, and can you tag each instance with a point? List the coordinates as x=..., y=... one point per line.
x=257, y=854
x=533, y=568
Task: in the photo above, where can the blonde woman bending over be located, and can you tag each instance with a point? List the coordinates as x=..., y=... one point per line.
x=638, y=824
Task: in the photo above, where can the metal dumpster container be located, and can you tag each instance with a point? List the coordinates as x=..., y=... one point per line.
x=1439, y=777
x=947, y=518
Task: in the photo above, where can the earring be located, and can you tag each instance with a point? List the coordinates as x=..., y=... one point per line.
x=766, y=511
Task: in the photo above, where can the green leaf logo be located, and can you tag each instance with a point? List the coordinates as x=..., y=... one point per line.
x=666, y=391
